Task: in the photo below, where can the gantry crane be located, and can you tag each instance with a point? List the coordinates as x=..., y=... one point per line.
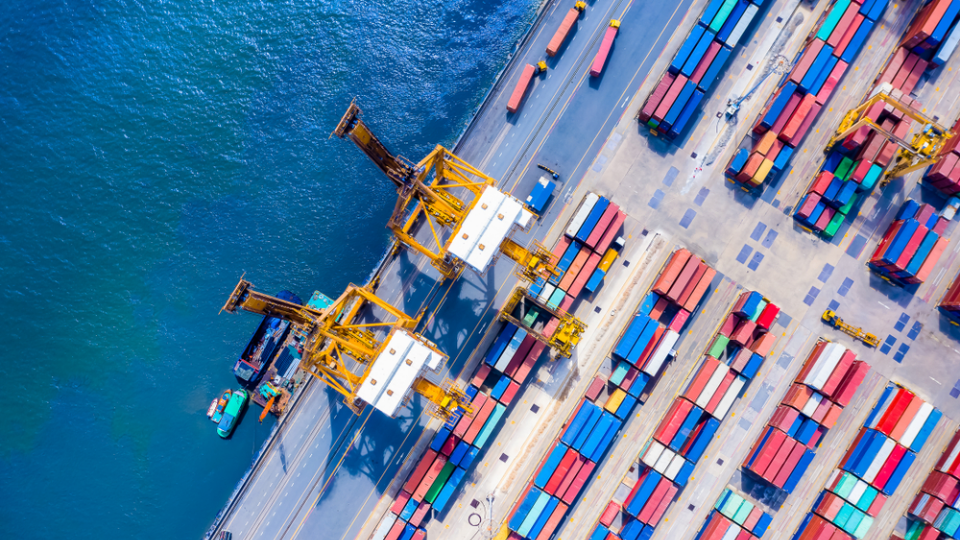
x=363, y=348
x=468, y=218
x=925, y=148
x=563, y=339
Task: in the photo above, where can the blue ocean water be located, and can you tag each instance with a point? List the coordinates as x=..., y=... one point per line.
x=152, y=152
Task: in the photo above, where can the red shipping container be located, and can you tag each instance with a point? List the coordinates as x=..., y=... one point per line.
x=904, y=71
x=418, y=473
x=805, y=125
x=396, y=530
x=672, y=421
x=400, y=502
x=479, y=420
x=809, y=55
x=853, y=445
x=750, y=168
x=914, y=77
x=701, y=288
x=691, y=268
x=552, y=522
x=809, y=203
x=886, y=470
x=860, y=172
x=692, y=284
x=509, y=393
x=670, y=271
x=893, y=66
x=821, y=411
x=571, y=474
x=791, y=463
x=729, y=325
x=824, y=218
x=841, y=28
x=767, y=453
x=574, y=270
x=877, y=505
x=478, y=377
x=669, y=98
x=911, y=249
x=832, y=416
x=605, y=45
x=832, y=80
x=596, y=385
x=420, y=513
x=561, y=34
x=578, y=482
x=705, y=61
x=836, y=377
x=814, y=529
x=610, y=512
x=535, y=352
x=912, y=408
x=449, y=445
x=890, y=418
x=652, y=346
x=829, y=505
x=659, y=492
x=612, y=231
x=763, y=344
x=569, y=458
x=954, y=464
x=516, y=505
x=925, y=22
x=850, y=383
x=768, y=316
x=744, y=535
x=431, y=475
x=753, y=518
x=656, y=96
x=664, y=504
x=780, y=459
x=520, y=355
x=848, y=36
x=658, y=308
x=721, y=390
x=932, y=259
x=679, y=320
x=940, y=485
x=744, y=331
x=605, y=220
x=709, y=365
x=520, y=90
x=787, y=112
x=784, y=417
x=797, y=396
x=585, y=273
x=741, y=360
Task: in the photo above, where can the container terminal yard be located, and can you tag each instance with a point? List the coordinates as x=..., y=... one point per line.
x=728, y=330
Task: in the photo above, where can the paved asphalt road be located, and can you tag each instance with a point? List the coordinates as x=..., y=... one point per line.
x=329, y=468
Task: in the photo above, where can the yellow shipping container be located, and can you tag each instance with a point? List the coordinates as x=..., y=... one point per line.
x=607, y=259
x=615, y=399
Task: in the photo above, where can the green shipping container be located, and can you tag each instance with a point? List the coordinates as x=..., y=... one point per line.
x=743, y=513
x=718, y=347
x=867, y=498
x=843, y=515
x=846, y=485
x=864, y=527
x=844, y=169
x=832, y=19
x=722, y=15
x=556, y=298
x=871, y=177
x=831, y=229
x=760, y=307
x=732, y=505
x=439, y=482
x=855, y=518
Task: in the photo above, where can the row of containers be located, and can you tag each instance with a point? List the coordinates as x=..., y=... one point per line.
x=441, y=469
x=912, y=244
x=585, y=252
x=697, y=65
x=854, y=166
x=873, y=467
x=829, y=50
x=788, y=443
x=637, y=359
x=731, y=360
x=934, y=513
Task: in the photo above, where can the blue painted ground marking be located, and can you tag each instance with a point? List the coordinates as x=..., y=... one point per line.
x=701, y=196
x=955, y=393
x=825, y=273
x=901, y=322
x=811, y=296
x=655, y=200
x=755, y=262
x=845, y=287
x=768, y=241
x=888, y=344
x=890, y=340
x=915, y=331
x=898, y=358
x=856, y=247
x=671, y=174
x=775, y=203
x=687, y=218
x=904, y=348
x=758, y=231
x=833, y=305
x=745, y=252
x=784, y=320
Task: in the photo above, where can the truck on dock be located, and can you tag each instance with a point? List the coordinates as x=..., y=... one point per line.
x=564, y=30
x=605, y=45
x=520, y=91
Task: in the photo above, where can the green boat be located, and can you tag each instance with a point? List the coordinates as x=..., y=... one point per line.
x=232, y=412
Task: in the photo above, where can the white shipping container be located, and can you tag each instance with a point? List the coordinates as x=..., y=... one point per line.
x=879, y=460
x=712, y=385
x=858, y=490
x=674, y=468
x=916, y=424
x=654, y=451
x=812, y=404
x=742, y=25
x=724, y=406
x=665, y=458
x=951, y=457
x=659, y=356
x=732, y=533
x=582, y=213
x=507, y=355
x=547, y=291
x=882, y=408
x=825, y=365
x=384, y=528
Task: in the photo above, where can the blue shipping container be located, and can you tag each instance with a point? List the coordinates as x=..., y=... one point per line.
x=506, y=333
x=738, y=161
x=762, y=524
x=685, y=470
x=439, y=438
x=605, y=441
x=703, y=439
x=824, y=73
x=468, y=459
x=581, y=418
x=501, y=385
x=443, y=498
x=587, y=429
x=724, y=34
x=806, y=83
x=649, y=483
x=550, y=466
x=718, y=61
x=544, y=516
x=710, y=12
x=678, y=105
x=901, y=471
x=753, y=366
x=688, y=46
x=926, y=430
x=595, y=280
x=642, y=341
x=690, y=65
x=630, y=335
x=688, y=110
x=593, y=441
x=647, y=305
x=798, y=471
x=686, y=428
x=535, y=512
x=778, y=104
x=899, y=242
x=626, y=406
x=782, y=158
x=921, y=255
x=459, y=452
x=853, y=48
x=592, y=218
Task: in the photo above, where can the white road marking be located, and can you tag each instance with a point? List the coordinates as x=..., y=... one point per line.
x=936, y=381
x=624, y=104
x=882, y=304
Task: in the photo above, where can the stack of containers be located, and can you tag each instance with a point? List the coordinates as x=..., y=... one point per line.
x=827, y=381
x=697, y=65
x=441, y=468
x=912, y=244
x=873, y=467
x=694, y=417
x=734, y=517
x=933, y=514
x=607, y=402
x=865, y=154
x=792, y=109
x=586, y=244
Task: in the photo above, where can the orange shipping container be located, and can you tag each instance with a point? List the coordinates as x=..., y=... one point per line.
x=561, y=34
x=521, y=89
